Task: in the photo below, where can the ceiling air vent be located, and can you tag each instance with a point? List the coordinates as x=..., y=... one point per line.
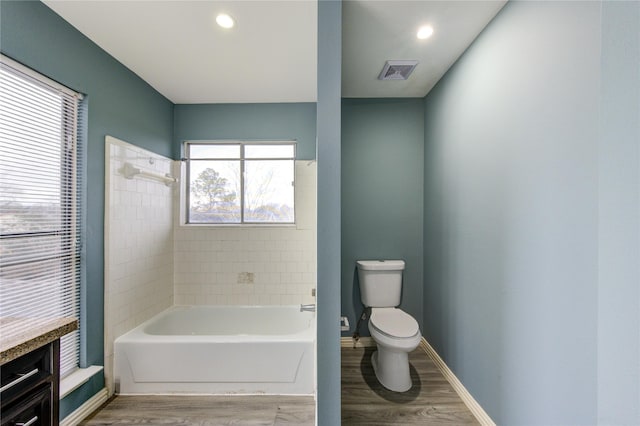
x=397, y=70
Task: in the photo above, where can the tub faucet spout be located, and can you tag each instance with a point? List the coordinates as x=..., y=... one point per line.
x=310, y=307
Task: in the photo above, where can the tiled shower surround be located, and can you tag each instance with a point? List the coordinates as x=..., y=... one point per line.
x=260, y=265
x=138, y=243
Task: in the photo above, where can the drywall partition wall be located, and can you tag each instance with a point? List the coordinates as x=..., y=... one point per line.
x=117, y=102
x=511, y=214
x=619, y=217
x=248, y=122
x=328, y=155
x=250, y=265
x=138, y=282
x=382, y=190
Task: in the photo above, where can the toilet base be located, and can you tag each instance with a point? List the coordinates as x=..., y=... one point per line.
x=392, y=369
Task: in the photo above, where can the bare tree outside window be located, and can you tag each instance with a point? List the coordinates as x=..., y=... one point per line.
x=212, y=189
x=213, y=198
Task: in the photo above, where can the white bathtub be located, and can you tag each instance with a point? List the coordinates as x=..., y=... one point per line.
x=219, y=350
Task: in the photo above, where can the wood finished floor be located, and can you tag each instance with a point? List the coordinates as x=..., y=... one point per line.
x=431, y=401
x=206, y=410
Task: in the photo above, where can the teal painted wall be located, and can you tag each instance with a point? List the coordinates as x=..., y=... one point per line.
x=118, y=103
x=382, y=195
x=619, y=217
x=248, y=122
x=328, y=157
x=532, y=214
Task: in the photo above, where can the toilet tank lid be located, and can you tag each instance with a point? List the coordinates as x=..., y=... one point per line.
x=381, y=265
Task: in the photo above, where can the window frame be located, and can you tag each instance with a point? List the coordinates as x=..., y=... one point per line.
x=186, y=200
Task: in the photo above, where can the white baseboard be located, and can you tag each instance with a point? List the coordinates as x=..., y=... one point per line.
x=464, y=394
x=86, y=409
x=475, y=408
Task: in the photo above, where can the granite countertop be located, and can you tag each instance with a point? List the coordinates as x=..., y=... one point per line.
x=19, y=336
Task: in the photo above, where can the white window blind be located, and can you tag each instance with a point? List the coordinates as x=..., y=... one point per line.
x=40, y=227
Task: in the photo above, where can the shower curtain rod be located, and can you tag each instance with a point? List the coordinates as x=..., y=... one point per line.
x=129, y=172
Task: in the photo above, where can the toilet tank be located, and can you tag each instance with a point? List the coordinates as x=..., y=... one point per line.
x=380, y=282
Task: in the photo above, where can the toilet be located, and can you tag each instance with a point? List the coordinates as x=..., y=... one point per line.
x=395, y=332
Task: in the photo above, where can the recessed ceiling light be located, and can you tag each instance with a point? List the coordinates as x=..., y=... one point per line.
x=425, y=32
x=225, y=21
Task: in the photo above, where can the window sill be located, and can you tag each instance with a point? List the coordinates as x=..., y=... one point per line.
x=76, y=379
x=238, y=225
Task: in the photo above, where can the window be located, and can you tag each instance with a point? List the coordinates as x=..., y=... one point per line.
x=240, y=182
x=40, y=250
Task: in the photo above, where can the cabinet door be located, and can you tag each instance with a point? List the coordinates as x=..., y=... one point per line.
x=23, y=374
x=35, y=411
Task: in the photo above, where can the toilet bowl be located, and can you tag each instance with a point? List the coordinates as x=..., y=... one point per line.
x=396, y=333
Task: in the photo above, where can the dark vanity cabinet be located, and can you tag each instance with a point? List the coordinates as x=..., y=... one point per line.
x=29, y=388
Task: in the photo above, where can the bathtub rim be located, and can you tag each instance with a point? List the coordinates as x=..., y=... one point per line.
x=134, y=335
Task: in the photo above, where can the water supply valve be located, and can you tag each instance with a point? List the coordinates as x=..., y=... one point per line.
x=344, y=324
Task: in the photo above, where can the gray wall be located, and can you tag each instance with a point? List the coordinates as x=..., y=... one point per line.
x=248, y=122
x=328, y=156
x=521, y=297
x=382, y=187
x=119, y=104
x=619, y=217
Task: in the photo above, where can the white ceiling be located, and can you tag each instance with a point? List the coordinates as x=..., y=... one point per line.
x=375, y=31
x=270, y=56
x=176, y=46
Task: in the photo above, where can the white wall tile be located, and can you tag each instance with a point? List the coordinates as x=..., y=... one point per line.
x=139, y=244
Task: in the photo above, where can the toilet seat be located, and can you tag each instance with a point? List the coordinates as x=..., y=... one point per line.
x=393, y=323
